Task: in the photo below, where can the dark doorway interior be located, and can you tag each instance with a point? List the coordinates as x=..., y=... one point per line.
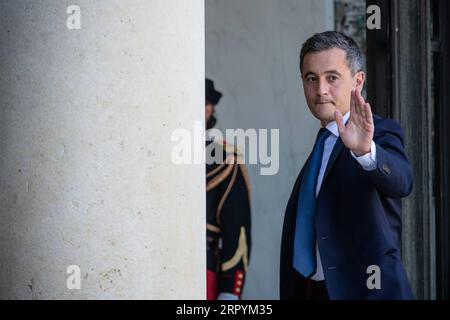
x=408, y=72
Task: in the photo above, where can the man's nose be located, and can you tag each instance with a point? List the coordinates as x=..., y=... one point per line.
x=322, y=88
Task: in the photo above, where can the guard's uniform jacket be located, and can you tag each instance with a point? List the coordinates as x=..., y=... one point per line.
x=228, y=221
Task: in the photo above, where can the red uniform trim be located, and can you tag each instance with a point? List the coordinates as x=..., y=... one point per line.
x=211, y=285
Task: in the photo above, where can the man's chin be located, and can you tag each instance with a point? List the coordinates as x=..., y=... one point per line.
x=325, y=115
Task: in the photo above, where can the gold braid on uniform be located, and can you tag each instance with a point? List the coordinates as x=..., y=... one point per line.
x=241, y=253
x=213, y=172
x=212, y=228
x=227, y=191
x=223, y=175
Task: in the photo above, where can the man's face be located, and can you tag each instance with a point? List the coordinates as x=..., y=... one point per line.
x=328, y=83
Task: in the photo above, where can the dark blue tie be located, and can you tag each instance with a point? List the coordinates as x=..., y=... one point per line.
x=305, y=237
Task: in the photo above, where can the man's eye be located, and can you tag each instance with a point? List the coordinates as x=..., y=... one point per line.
x=332, y=78
x=310, y=79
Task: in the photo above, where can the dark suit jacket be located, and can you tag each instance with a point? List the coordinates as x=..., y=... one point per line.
x=358, y=222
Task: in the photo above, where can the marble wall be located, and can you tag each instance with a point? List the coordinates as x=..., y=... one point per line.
x=86, y=176
x=252, y=50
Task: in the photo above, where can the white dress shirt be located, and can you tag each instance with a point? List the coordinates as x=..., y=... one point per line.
x=368, y=162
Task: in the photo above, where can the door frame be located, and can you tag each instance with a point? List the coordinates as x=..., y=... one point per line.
x=401, y=86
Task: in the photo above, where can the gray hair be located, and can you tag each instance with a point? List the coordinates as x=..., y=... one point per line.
x=333, y=39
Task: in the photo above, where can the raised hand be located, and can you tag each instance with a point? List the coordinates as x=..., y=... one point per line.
x=357, y=134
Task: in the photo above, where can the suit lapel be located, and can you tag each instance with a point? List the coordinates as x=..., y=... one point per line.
x=338, y=146
x=293, y=201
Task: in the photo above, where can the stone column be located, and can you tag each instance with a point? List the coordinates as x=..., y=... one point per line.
x=86, y=178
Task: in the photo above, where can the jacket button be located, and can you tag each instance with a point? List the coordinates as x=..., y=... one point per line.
x=324, y=238
x=386, y=168
x=331, y=268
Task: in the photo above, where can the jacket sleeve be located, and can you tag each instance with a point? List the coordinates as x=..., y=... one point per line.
x=234, y=220
x=392, y=175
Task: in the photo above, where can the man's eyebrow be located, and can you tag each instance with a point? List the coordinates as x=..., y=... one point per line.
x=309, y=74
x=333, y=72
x=326, y=72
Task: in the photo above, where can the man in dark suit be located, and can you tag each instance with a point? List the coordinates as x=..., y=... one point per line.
x=342, y=226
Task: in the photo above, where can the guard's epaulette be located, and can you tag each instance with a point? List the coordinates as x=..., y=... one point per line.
x=229, y=168
x=230, y=148
x=221, y=171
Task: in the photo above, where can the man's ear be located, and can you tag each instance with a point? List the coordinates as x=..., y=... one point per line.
x=360, y=78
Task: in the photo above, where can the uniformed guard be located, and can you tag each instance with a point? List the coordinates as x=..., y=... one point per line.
x=228, y=213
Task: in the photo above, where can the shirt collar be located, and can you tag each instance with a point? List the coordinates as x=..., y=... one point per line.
x=332, y=126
